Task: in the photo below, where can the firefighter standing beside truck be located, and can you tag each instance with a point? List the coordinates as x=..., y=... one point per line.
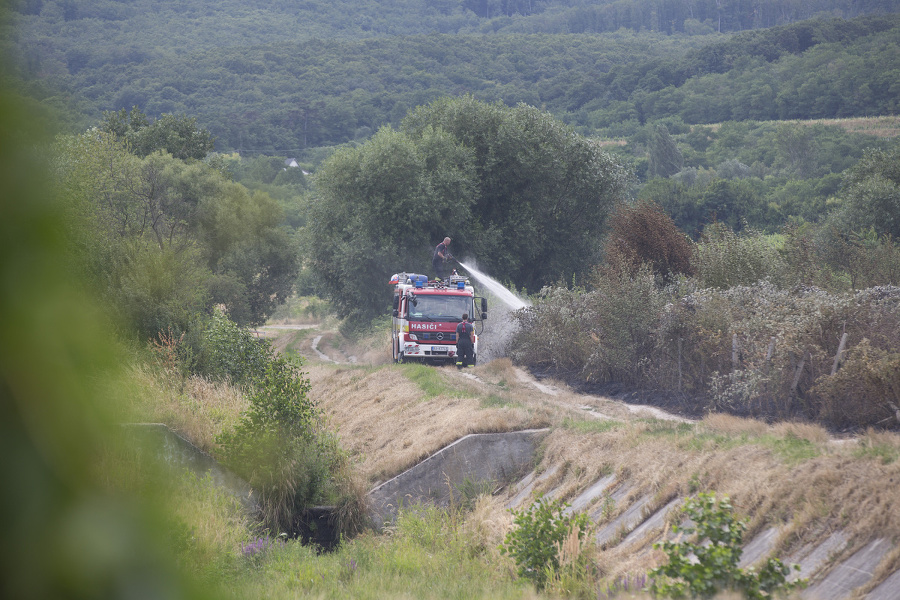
x=464, y=345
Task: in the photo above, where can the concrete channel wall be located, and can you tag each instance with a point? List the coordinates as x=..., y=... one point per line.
x=835, y=568
x=172, y=449
x=474, y=461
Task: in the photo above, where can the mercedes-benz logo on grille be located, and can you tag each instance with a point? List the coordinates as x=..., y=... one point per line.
x=439, y=336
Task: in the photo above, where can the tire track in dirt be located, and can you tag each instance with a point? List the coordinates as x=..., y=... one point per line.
x=588, y=405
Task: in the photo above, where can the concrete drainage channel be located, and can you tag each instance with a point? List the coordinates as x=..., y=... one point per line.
x=471, y=462
x=504, y=462
x=835, y=569
x=316, y=525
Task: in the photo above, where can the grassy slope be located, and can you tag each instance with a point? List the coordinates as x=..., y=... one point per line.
x=391, y=416
x=789, y=475
x=883, y=127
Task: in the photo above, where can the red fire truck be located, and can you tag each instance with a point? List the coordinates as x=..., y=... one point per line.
x=426, y=314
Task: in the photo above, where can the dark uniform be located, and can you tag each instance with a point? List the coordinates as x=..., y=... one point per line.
x=438, y=259
x=465, y=346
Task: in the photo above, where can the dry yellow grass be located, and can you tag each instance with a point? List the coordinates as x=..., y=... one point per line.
x=732, y=425
x=387, y=426
x=790, y=475
x=802, y=431
x=887, y=126
x=835, y=489
x=196, y=408
x=486, y=526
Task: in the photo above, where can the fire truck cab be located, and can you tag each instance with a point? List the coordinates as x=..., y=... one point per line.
x=426, y=314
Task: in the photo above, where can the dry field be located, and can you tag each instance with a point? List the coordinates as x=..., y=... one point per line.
x=790, y=475
x=886, y=127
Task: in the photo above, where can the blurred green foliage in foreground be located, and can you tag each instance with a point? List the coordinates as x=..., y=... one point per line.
x=65, y=534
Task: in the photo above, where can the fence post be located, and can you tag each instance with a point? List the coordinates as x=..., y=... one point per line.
x=770, y=352
x=840, y=354
x=798, y=374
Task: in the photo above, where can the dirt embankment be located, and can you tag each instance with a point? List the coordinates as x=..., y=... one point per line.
x=794, y=479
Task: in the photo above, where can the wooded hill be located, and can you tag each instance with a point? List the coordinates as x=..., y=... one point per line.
x=274, y=78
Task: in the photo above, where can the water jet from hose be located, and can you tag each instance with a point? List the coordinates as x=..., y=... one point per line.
x=496, y=288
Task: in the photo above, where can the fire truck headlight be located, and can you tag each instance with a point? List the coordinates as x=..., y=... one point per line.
x=413, y=337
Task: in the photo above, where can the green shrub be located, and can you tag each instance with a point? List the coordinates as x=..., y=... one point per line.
x=539, y=533
x=753, y=350
x=276, y=446
x=625, y=307
x=804, y=263
x=230, y=352
x=556, y=332
x=703, y=565
x=723, y=259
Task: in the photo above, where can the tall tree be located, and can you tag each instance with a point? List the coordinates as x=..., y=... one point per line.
x=378, y=208
x=665, y=157
x=164, y=238
x=179, y=136
x=871, y=195
x=543, y=191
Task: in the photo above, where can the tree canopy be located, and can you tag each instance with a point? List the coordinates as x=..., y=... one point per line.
x=871, y=195
x=164, y=239
x=289, y=79
x=517, y=191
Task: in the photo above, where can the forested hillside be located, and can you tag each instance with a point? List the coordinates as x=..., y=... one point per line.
x=279, y=78
x=201, y=23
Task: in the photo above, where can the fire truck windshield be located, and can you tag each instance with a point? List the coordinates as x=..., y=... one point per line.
x=440, y=308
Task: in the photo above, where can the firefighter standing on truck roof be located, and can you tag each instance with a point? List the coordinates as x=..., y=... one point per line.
x=464, y=343
x=440, y=256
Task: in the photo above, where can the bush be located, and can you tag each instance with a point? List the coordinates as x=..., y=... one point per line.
x=556, y=332
x=803, y=261
x=724, y=259
x=541, y=530
x=626, y=309
x=645, y=234
x=274, y=447
x=865, y=391
x=227, y=352
x=751, y=350
x=706, y=564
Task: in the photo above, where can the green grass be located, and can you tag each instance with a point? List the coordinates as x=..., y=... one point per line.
x=658, y=427
x=297, y=336
x=429, y=553
x=886, y=453
x=591, y=425
x=496, y=401
x=431, y=382
x=791, y=449
x=425, y=556
x=301, y=308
